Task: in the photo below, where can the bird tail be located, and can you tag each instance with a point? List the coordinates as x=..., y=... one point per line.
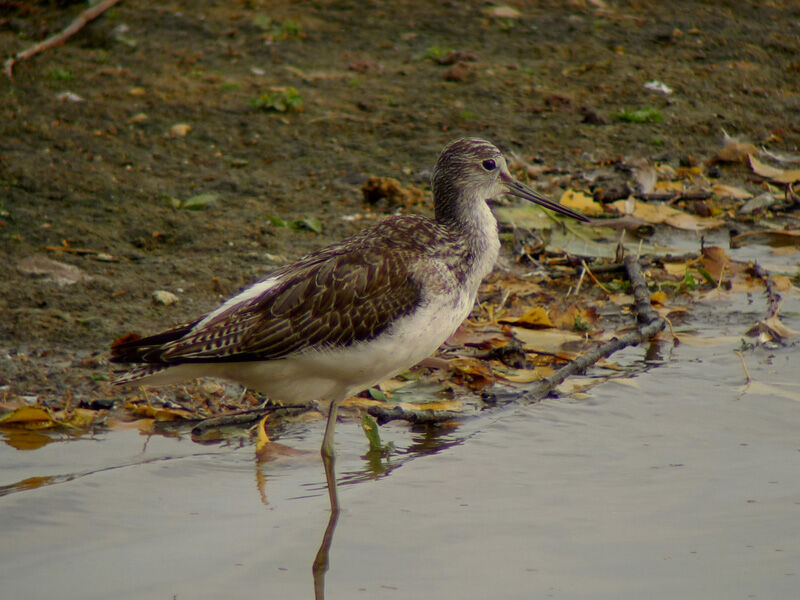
x=138, y=373
x=132, y=348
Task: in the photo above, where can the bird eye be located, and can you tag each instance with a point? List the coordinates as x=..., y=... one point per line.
x=489, y=164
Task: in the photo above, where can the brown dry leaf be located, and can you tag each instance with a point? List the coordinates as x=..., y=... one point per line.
x=484, y=338
x=535, y=318
x=729, y=191
x=782, y=283
x=781, y=331
x=770, y=237
x=716, y=261
x=659, y=297
x=734, y=150
x=566, y=318
x=581, y=202
x=773, y=173
x=472, y=372
x=661, y=213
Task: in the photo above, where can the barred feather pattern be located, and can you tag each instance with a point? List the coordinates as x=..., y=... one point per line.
x=347, y=293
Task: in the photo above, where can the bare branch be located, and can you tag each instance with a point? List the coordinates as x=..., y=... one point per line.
x=90, y=14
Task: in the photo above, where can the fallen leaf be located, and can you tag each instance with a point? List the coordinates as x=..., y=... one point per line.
x=535, y=318
x=770, y=237
x=773, y=173
x=661, y=213
x=524, y=375
x=729, y=191
x=734, y=150
x=29, y=417
x=52, y=270
x=545, y=340
x=161, y=413
x=581, y=202
x=472, y=371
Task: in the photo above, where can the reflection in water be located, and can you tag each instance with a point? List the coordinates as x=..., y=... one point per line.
x=320, y=566
x=429, y=439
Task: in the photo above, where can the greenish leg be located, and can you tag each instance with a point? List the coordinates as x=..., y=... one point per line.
x=328, y=455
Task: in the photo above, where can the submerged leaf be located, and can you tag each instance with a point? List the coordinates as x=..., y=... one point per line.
x=370, y=427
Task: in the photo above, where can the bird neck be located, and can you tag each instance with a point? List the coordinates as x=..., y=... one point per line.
x=474, y=226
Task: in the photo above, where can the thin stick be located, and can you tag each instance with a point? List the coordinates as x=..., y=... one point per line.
x=90, y=14
x=773, y=297
x=600, y=285
x=744, y=366
x=649, y=325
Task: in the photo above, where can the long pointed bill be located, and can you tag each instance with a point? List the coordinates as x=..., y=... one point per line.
x=515, y=188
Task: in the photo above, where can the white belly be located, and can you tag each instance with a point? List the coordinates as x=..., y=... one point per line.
x=336, y=373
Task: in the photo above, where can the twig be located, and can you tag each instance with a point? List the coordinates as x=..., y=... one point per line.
x=649, y=325
x=90, y=14
x=744, y=366
x=600, y=285
x=773, y=297
x=385, y=414
x=246, y=418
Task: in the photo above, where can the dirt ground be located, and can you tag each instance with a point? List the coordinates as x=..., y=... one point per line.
x=163, y=110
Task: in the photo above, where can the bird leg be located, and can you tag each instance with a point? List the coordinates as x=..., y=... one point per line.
x=328, y=455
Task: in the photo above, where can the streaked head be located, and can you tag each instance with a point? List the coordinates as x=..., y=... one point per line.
x=474, y=170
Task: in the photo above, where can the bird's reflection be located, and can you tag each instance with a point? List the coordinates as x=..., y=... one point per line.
x=429, y=439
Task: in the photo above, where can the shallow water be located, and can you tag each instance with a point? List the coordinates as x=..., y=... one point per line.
x=678, y=483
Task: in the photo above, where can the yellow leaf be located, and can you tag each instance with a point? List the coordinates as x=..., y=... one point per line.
x=659, y=297
x=261, y=431
x=668, y=186
x=29, y=417
x=160, y=413
x=581, y=202
x=535, y=318
x=661, y=213
x=525, y=375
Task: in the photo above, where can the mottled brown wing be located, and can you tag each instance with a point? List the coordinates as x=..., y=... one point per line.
x=345, y=298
